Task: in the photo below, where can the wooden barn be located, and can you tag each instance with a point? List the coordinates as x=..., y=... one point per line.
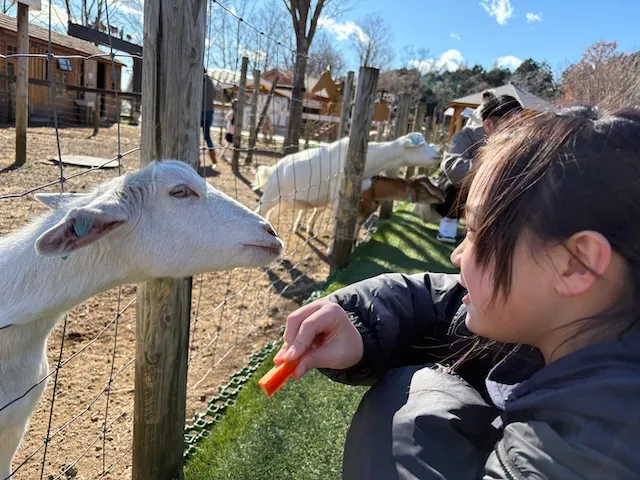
x=76, y=79
x=323, y=96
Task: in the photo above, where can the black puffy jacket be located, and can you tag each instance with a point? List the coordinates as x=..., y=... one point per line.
x=576, y=418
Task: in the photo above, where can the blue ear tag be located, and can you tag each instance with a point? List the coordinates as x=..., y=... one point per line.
x=82, y=226
x=415, y=139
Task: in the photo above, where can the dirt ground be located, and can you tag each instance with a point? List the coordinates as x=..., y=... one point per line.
x=233, y=314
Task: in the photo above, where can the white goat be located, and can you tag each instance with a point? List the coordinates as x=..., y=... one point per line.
x=162, y=221
x=311, y=179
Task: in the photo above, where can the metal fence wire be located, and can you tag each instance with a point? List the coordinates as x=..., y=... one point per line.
x=82, y=426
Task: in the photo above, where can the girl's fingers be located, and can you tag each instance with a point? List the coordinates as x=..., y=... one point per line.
x=317, y=323
x=293, y=325
x=296, y=318
x=278, y=357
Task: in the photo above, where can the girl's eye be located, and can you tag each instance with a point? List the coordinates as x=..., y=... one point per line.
x=469, y=234
x=182, y=191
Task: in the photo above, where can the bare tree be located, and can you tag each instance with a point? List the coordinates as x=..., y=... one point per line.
x=271, y=18
x=603, y=76
x=373, y=42
x=323, y=55
x=403, y=80
x=125, y=16
x=305, y=15
x=228, y=39
x=407, y=56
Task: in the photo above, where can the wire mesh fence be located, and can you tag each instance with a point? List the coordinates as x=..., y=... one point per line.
x=83, y=423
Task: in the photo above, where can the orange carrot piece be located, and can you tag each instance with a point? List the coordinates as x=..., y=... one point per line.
x=276, y=377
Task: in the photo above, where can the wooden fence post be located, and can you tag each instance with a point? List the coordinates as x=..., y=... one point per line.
x=96, y=114
x=174, y=36
x=345, y=114
x=22, y=86
x=402, y=125
x=380, y=131
x=265, y=109
x=239, y=114
x=433, y=129
x=253, y=132
x=380, y=134
x=418, y=121
x=351, y=183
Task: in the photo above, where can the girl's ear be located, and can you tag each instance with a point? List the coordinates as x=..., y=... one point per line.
x=586, y=259
x=489, y=127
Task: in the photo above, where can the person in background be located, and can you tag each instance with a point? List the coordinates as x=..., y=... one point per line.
x=231, y=127
x=209, y=95
x=460, y=154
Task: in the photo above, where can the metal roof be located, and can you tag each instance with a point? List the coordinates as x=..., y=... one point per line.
x=79, y=46
x=527, y=99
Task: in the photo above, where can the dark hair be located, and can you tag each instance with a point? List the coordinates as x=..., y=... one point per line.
x=487, y=94
x=499, y=107
x=553, y=174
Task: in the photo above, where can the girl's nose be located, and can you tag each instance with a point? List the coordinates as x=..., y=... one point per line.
x=456, y=255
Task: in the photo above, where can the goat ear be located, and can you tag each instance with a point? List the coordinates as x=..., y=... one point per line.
x=431, y=188
x=79, y=228
x=413, y=140
x=53, y=200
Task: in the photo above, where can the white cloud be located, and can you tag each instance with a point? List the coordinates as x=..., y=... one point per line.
x=456, y=36
x=449, y=60
x=255, y=55
x=132, y=9
x=534, y=17
x=59, y=18
x=508, y=61
x=343, y=31
x=500, y=9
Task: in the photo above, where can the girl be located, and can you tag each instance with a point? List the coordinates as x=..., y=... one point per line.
x=231, y=127
x=540, y=328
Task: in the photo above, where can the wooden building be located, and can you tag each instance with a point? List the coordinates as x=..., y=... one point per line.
x=76, y=79
x=323, y=94
x=322, y=103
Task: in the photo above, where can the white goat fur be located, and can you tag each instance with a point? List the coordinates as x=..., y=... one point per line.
x=311, y=178
x=162, y=221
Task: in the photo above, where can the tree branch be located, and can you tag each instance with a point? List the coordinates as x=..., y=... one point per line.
x=289, y=9
x=314, y=20
x=303, y=13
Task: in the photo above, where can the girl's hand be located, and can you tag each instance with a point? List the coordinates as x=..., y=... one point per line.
x=320, y=335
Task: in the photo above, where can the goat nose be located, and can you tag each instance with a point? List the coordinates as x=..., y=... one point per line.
x=269, y=229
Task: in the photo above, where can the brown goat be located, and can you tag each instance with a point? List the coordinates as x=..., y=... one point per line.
x=416, y=190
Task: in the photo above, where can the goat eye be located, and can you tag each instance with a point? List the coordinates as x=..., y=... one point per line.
x=181, y=192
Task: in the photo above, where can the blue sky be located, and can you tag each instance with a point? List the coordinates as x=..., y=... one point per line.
x=473, y=31
x=482, y=31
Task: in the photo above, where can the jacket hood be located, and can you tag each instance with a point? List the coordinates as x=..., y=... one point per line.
x=588, y=402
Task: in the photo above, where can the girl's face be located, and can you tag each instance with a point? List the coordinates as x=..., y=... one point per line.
x=520, y=318
x=552, y=287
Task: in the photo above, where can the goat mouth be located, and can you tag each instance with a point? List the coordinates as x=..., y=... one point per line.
x=274, y=248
